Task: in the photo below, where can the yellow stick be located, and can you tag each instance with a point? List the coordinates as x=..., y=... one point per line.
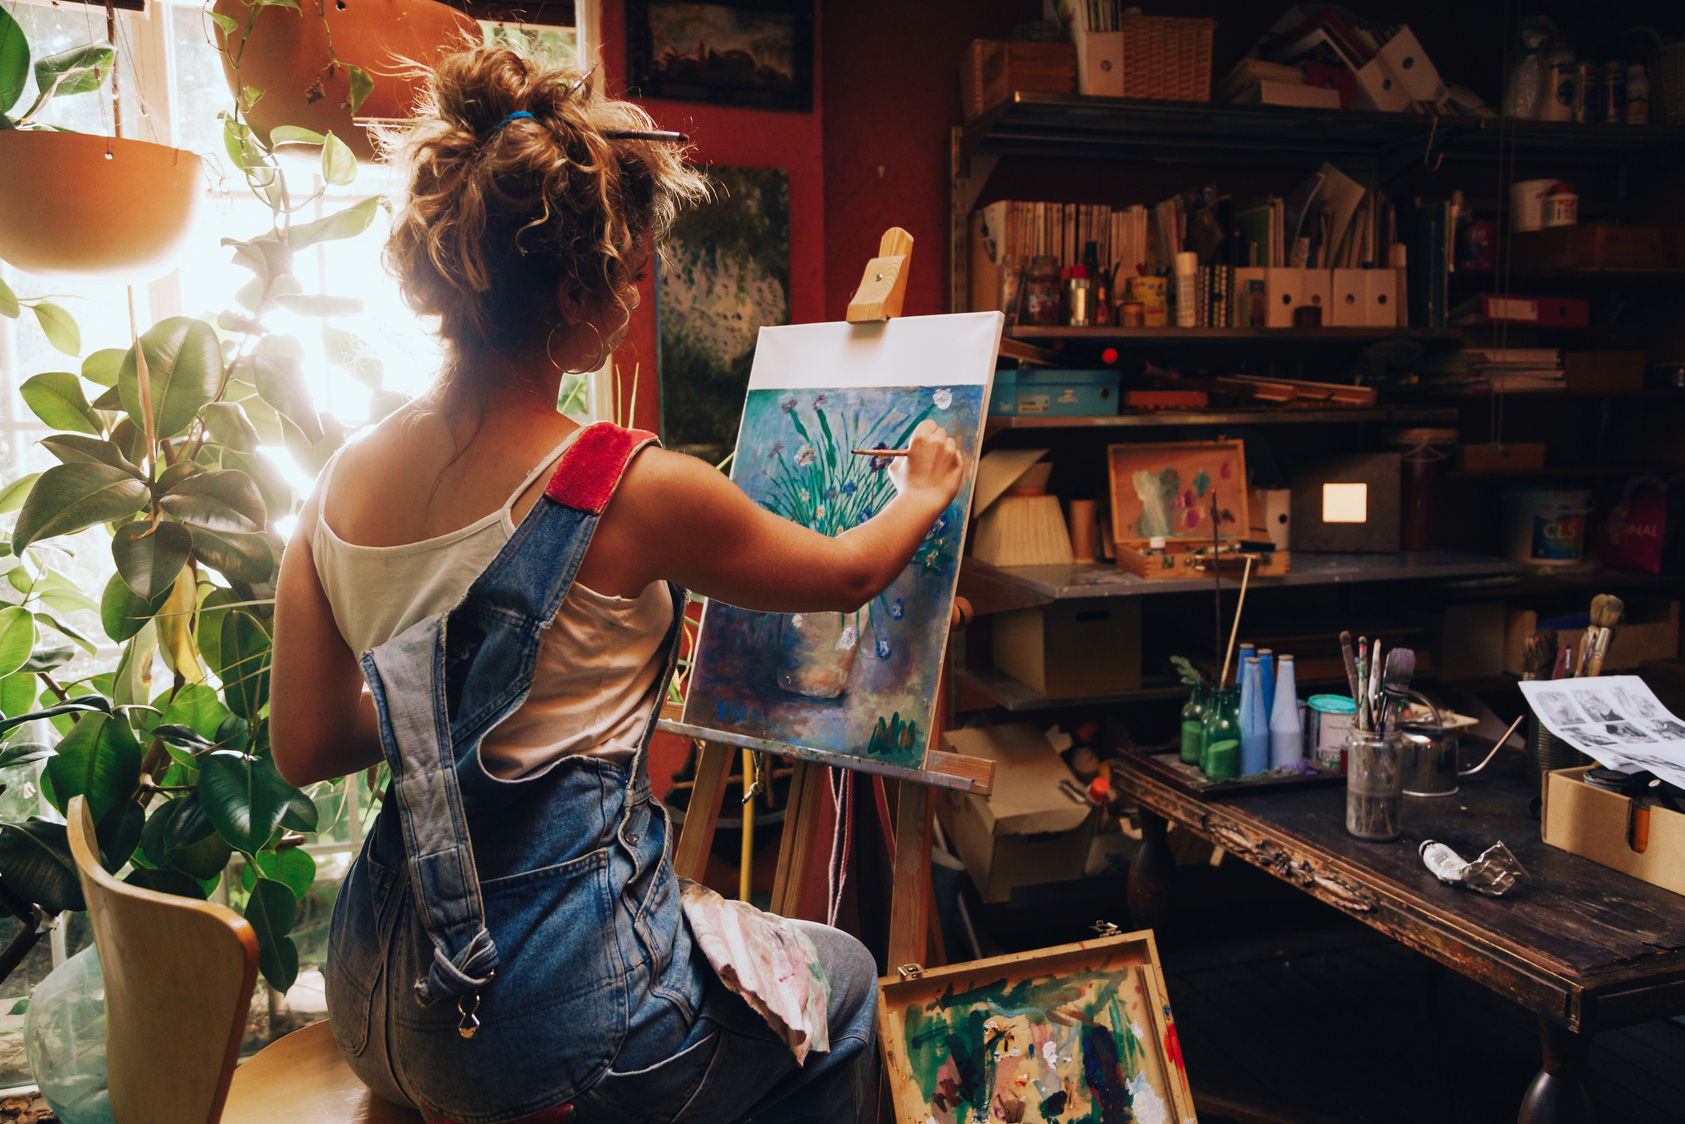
x=1235, y=631
x=746, y=857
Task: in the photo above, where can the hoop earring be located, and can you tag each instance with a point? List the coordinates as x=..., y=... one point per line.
x=602, y=351
x=548, y=337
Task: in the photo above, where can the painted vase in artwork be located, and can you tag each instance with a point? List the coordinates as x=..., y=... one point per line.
x=816, y=653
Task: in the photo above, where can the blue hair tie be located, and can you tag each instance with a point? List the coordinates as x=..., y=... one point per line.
x=511, y=117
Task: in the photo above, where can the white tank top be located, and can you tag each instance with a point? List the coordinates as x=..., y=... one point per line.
x=597, y=666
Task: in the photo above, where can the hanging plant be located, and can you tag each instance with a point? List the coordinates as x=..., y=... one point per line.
x=158, y=447
x=329, y=63
x=68, y=204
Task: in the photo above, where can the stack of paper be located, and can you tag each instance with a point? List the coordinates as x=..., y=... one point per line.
x=1615, y=719
x=1516, y=368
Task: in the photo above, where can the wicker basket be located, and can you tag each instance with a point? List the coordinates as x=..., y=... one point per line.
x=1167, y=57
x=1667, y=84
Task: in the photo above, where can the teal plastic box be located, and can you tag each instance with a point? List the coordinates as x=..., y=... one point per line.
x=1060, y=394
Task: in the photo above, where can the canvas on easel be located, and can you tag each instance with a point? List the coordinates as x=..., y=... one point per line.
x=863, y=685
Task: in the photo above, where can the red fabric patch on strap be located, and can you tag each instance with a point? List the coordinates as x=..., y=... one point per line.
x=558, y=1115
x=592, y=466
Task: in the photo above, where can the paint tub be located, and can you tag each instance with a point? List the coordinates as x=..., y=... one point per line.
x=1546, y=529
x=1325, y=737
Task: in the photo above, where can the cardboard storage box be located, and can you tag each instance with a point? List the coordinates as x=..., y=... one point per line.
x=1030, y=830
x=1071, y=648
x=1060, y=394
x=1648, y=631
x=1637, y=838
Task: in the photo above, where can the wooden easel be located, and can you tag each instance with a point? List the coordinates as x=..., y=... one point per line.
x=882, y=291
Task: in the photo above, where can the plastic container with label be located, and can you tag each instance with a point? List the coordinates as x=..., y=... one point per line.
x=1546, y=529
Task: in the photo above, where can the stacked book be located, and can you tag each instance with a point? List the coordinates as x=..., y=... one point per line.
x=1063, y=230
x=1496, y=369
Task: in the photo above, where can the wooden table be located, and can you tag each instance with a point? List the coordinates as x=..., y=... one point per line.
x=1582, y=946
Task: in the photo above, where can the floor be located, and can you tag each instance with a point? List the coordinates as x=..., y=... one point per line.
x=1288, y=1011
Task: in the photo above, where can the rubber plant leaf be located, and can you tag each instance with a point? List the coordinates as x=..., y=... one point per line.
x=150, y=555
x=238, y=557
x=123, y=612
x=69, y=497
x=221, y=500
x=271, y=910
x=99, y=760
x=14, y=64
x=59, y=327
x=75, y=448
x=17, y=637
x=184, y=369
x=56, y=398
x=35, y=862
x=244, y=796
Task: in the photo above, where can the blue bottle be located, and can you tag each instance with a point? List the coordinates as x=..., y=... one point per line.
x=1246, y=653
x=1266, y=672
x=1287, y=735
x=1254, y=727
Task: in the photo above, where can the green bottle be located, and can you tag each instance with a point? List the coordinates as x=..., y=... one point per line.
x=1220, y=756
x=1193, y=725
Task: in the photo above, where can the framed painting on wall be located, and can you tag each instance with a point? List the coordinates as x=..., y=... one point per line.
x=756, y=53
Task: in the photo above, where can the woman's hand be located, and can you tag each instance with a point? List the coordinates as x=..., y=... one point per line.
x=932, y=464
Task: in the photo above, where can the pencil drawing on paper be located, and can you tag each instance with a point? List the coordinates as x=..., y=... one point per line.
x=860, y=683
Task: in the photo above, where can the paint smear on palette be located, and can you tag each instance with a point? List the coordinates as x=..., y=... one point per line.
x=1064, y=1048
x=863, y=683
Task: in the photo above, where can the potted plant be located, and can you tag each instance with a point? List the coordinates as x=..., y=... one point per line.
x=70, y=203
x=321, y=65
x=159, y=463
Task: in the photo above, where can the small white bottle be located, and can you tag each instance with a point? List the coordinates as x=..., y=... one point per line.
x=1562, y=82
x=1637, y=95
x=1287, y=734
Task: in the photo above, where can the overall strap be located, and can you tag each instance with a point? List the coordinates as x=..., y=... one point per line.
x=482, y=648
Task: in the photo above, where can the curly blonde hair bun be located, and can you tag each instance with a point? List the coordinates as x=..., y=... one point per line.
x=497, y=212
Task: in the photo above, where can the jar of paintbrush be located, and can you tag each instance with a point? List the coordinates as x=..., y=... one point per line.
x=1374, y=748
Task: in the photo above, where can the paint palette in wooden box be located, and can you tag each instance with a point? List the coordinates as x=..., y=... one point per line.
x=1187, y=493
x=1075, y=1032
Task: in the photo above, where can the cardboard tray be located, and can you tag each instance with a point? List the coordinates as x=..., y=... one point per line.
x=1059, y=997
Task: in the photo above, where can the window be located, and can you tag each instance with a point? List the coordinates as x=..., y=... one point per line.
x=171, y=90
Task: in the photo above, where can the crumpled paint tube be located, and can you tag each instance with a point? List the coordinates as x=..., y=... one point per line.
x=1495, y=873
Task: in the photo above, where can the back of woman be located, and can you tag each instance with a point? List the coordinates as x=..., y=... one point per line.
x=510, y=945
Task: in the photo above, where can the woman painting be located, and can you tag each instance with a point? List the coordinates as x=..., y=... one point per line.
x=510, y=944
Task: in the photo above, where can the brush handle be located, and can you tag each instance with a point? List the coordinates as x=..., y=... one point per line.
x=1351, y=664
x=1586, y=645
x=1599, y=650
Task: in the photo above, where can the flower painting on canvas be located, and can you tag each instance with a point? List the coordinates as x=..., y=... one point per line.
x=861, y=683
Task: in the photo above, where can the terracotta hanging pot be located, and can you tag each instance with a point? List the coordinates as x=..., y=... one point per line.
x=286, y=56
x=77, y=204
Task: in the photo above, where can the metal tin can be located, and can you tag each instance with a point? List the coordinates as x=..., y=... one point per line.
x=1588, y=93
x=1131, y=314
x=1614, y=91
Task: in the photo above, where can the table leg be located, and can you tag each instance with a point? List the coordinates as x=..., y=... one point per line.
x=1558, y=1093
x=1150, y=875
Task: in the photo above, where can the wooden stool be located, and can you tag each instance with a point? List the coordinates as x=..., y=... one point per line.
x=178, y=977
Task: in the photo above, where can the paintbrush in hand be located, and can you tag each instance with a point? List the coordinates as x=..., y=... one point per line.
x=1606, y=611
x=1538, y=655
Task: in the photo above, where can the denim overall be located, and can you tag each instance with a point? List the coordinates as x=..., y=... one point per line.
x=489, y=923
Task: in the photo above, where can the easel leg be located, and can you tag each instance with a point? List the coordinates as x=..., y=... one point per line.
x=795, y=849
x=713, y=766
x=909, y=908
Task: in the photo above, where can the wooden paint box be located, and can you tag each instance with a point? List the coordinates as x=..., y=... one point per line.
x=1636, y=837
x=1165, y=490
x=1046, y=1035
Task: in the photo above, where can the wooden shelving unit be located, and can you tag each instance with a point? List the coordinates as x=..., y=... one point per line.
x=1044, y=337
x=1412, y=415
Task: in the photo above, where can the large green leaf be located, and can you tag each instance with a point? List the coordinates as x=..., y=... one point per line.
x=293, y=867
x=341, y=224
x=196, y=707
x=35, y=862
x=57, y=399
x=280, y=383
x=226, y=423
x=13, y=495
x=244, y=796
x=61, y=652
x=69, y=497
x=17, y=637
x=75, y=448
x=9, y=307
x=238, y=557
x=293, y=134
x=277, y=493
x=204, y=859
x=183, y=366
x=18, y=693
x=222, y=500
x=272, y=909
x=355, y=357
x=23, y=753
x=361, y=86
x=165, y=881
x=102, y=366
x=150, y=555
x=339, y=163
x=123, y=612
x=209, y=632
x=98, y=759
x=178, y=823
x=14, y=63
x=59, y=327
x=244, y=653
x=63, y=593
x=118, y=831
x=79, y=70
x=302, y=814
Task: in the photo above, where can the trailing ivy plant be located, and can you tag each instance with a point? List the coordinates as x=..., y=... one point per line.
x=79, y=70
x=158, y=450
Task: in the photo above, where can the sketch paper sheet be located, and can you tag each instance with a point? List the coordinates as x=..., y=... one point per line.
x=1616, y=720
x=862, y=684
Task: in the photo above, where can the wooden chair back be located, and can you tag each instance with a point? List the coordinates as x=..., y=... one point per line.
x=178, y=978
